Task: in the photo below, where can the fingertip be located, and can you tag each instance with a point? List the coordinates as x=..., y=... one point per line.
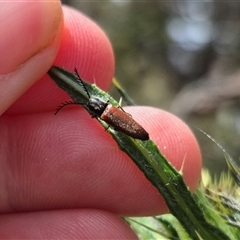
x=30, y=45
x=86, y=47
x=31, y=28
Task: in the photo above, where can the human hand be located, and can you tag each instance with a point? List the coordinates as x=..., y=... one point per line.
x=63, y=176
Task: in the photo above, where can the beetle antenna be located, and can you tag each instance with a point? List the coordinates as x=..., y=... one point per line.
x=64, y=104
x=80, y=81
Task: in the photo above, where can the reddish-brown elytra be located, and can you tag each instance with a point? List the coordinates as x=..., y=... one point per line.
x=115, y=117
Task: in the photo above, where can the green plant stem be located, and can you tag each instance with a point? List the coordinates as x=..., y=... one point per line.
x=150, y=161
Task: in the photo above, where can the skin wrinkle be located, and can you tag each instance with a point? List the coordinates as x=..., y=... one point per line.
x=56, y=28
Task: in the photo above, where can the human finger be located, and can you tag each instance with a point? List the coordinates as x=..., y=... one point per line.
x=69, y=161
x=64, y=224
x=29, y=41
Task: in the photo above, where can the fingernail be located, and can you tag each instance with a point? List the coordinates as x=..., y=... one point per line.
x=26, y=28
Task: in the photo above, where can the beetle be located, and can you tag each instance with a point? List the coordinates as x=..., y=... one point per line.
x=115, y=117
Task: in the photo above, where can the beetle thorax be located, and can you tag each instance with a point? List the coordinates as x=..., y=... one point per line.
x=96, y=106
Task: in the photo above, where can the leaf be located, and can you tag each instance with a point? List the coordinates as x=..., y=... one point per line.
x=145, y=154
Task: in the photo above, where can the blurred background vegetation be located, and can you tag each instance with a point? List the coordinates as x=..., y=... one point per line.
x=181, y=56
